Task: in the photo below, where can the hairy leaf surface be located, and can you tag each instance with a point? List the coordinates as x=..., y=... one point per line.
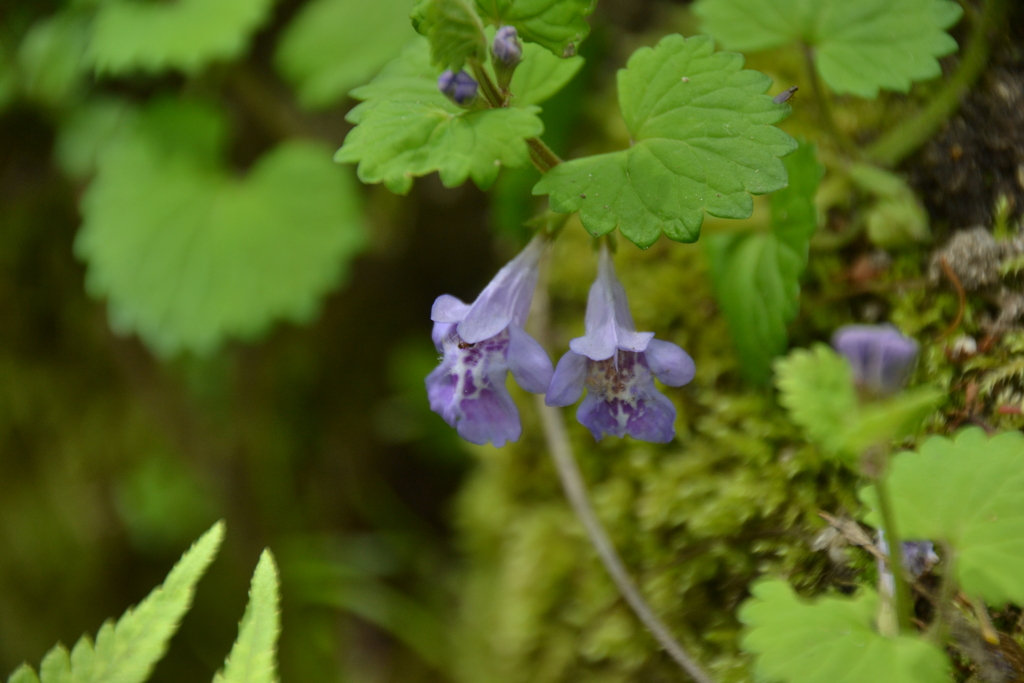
x=859, y=47
x=703, y=142
x=969, y=492
x=186, y=35
x=188, y=255
x=127, y=651
x=558, y=25
x=831, y=640
x=406, y=128
x=756, y=276
x=253, y=657
x=816, y=387
x=334, y=45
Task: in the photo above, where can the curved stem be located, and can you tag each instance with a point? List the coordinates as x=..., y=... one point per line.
x=902, y=140
x=541, y=155
x=487, y=87
x=825, y=106
x=575, y=490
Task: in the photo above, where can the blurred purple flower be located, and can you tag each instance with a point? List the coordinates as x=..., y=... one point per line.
x=918, y=558
x=459, y=87
x=881, y=357
x=506, y=47
x=615, y=363
x=480, y=344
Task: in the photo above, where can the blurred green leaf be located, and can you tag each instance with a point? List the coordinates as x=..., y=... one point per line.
x=186, y=34
x=50, y=58
x=849, y=51
x=407, y=128
x=897, y=219
x=757, y=276
x=253, y=656
x=454, y=30
x=23, y=674
x=126, y=652
x=188, y=255
x=968, y=491
x=334, y=45
x=88, y=129
x=703, y=142
x=891, y=419
x=816, y=387
x=558, y=25
x=831, y=640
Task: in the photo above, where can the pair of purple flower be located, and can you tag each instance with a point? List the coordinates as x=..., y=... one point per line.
x=482, y=342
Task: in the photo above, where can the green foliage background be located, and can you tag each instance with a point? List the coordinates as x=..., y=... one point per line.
x=404, y=554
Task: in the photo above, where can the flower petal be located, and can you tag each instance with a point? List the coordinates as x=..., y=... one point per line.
x=448, y=309
x=491, y=416
x=506, y=299
x=669, y=363
x=650, y=417
x=608, y=321
x=441, y=332
x=528, y=361
x=567, y=382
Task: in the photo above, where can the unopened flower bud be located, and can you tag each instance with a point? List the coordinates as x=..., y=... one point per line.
x=881, y=357
x=459, y=87
x=506, y=46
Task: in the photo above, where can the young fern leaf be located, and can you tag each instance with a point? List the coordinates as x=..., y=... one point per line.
x=253, y=656
x=406, y=128
x=186, y=35
x=967, y=491
x=704, y=141
x=831, y=640
x=757, y=276
x=558, y=25
x=126, y=651
x=454, y=30
x=846, y=36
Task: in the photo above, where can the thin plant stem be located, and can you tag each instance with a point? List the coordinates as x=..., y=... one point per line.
x=541, y=155
x=487, y=86
x=825, y=106
x=898, y=143
x=575, y=490
x=892, y=537
x=939, y=629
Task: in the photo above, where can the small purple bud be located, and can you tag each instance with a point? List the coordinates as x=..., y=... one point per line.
x=784, y=96
x=459, y=87
x=506, y=47
x=881, y=357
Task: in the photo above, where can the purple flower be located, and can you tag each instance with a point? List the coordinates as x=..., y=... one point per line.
x=881, y=357
x=459, y=87
x=480, y=344
x=506, y=47
x=616, y=363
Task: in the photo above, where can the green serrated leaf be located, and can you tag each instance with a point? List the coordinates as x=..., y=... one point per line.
x=186, y=35
x=816, y=387
x=188, y=255
x=969, y=492
x=253, y=656
x=334, y=45
x=540, y=75
x=558, y=25
x=703, y=142
x=849, y=52
x=398, y=141
x=406, y=128
x=831, y=640
x=127, y=651
x=50, y=58
x=756, y=276
x=892, y=419
x=454, y=30
x=23, y=674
